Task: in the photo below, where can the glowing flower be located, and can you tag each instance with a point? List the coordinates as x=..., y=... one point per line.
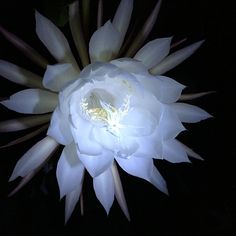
x=113, y=111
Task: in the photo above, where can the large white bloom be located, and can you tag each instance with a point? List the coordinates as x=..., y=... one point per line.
x=113, y=111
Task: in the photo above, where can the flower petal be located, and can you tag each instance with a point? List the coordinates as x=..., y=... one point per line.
x=122, y=17
x=96, y=165
x=57, y=76
x=71, y=200
x=164, y=88
x=169, y=124
x=34, y=157
x=154, y=52
x=189, y=113
x=103, y=185
x=104, y=43
x=174, y=152
x=191, y=153
x=23, y=123
x=54, y=40
x=175, y=59
x=143, y=168
x=158, y=181
x=31, y=101
x=191, y=96
x=70, y=170
x=19, y=75
x=138, y=122
x=59, y=128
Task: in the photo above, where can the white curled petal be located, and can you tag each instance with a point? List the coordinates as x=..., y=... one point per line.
x=103, y=186
x=164, y=88
x=34, y=157
x=71, y=200
x=138, y=122
x=104, y=43
x=31, y=101
x=174, y=152
x=19, y=75
x=57, y=76
x=137, y=166
x=59, y=128
x=122, y=17
x=175, y=58
x=70, y=170
x=189, y=113
x=154, y=52
x=96, y=165
x=54, y=40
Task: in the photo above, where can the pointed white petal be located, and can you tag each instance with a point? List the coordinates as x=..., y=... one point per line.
x=57, y=76
x=175, y=59
x=96, y=165
x=19, y=75
x=119, y=193
x=31, y=101
x=158, y=181
x=59, y=128
x=25, y=48
x=136, y=166
x=174, y=152
x=169, y=124
x=154, y=52
x=191, y=153
x=71, y=200
x=104, y=43
x=189, y=113
x=54, y=40
x=70, y=170
x=122, y=17
x=164, y=88
x=34, y=157
x=103, y=186
x=23, y=123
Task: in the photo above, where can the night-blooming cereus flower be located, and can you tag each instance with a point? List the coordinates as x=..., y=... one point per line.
x=117, y=110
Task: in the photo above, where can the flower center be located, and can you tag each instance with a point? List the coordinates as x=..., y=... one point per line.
x=98, y=107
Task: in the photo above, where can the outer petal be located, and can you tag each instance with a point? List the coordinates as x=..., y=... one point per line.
x=70, y=170
x=164, y=88
x=54, y=40
x=174, y=152
x=189, y=113
x=122, y=17
x=175, y=58
x=104, y=43
x=96, y=165
x=34, y=157
x=154, y=52
x=143, y=168
x=57, y=76
x=31, y=101
x=103, y=185
x=169, y=124
x=71, y=200
x=19, y=75
x=59, y=128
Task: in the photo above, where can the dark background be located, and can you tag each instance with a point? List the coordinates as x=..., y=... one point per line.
x=202, y=194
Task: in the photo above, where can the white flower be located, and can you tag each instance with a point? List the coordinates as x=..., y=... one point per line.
x=113, y=111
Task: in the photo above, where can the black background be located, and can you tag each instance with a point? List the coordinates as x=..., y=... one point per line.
x=202, y=194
